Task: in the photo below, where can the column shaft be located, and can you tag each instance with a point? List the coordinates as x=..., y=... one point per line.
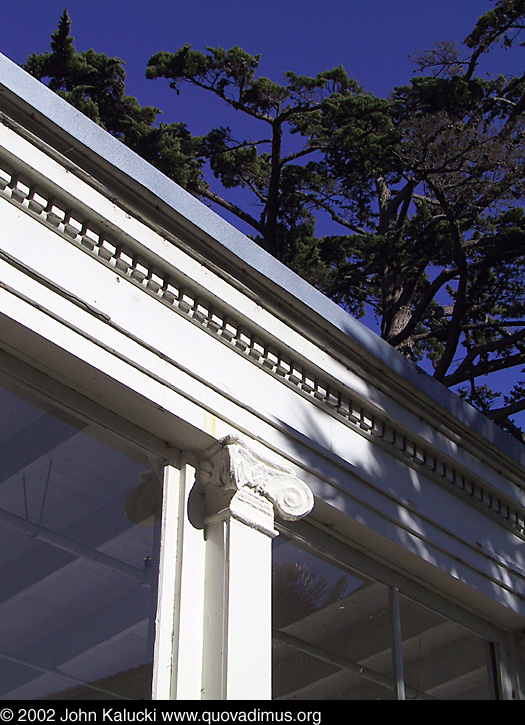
x=237, y=631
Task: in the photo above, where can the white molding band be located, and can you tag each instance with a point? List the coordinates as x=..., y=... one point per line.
x=99, y=238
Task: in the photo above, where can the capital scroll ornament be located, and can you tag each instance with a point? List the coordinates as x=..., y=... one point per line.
x=231, y=465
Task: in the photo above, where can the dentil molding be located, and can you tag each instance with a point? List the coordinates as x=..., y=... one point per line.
x=99, y=238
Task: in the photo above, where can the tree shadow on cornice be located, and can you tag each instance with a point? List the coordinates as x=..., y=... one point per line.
x=397, y=508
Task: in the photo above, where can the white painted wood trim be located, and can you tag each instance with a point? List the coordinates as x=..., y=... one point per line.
x=167, y=591
x=177, y=673
x=237, y=629
x=189, y=592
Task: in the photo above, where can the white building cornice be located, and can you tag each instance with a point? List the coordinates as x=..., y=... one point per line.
x=69, y=132
x=86, y=224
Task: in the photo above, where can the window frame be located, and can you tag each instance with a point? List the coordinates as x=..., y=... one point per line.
x=28, y=383
x=309, y=536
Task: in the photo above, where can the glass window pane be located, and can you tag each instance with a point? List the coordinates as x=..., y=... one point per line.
x=78, y=560
x=332, y=631
x=443, y=659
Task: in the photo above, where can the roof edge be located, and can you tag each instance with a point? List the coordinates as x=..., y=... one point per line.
x=40, y=101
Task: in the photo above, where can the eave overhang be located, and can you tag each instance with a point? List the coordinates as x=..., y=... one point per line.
x=163, y=205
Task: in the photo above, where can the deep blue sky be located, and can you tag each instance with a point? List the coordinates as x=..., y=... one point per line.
x=372, y=40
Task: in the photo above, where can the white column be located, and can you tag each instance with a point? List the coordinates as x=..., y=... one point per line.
x=243, y=492
x=179, y=623
x=166, y=598
x=189, y=606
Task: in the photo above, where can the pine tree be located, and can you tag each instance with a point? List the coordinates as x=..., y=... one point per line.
x=95, y=84
x=423, y=189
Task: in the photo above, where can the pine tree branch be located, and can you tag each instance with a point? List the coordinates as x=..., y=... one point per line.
x=236, y=104
x=484, y=368
x=487, y=348
x=499, y=414
x=512, y=22
x=229, y=206
x=337, y=217
x=300, y=154
x=454, y=329
x=253, y=188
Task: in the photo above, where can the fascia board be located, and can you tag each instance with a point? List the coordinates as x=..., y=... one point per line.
x=31, y=99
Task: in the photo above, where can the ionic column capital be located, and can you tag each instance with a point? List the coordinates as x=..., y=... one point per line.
x=251, y=487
